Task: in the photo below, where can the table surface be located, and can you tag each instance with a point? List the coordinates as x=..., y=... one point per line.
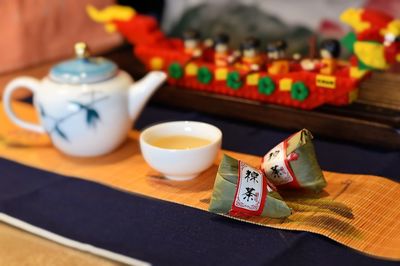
x=166, y=233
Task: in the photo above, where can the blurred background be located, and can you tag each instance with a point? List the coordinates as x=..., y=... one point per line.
x=39, y=31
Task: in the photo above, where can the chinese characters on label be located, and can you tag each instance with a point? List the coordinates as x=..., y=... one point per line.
x=275, y=167
x=252, y=176
x=249, y=194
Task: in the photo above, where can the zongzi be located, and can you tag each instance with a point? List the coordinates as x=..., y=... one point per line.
x=293, y=163
x=241, y=190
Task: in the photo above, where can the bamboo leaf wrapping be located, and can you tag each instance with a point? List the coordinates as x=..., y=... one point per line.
x=306, y=168
x=225, y=189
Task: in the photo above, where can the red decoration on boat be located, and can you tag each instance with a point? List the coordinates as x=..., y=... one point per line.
x=329, y=80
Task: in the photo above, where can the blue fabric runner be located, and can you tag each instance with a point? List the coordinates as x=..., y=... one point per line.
x=170, y=234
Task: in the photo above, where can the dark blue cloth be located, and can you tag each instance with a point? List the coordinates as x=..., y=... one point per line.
x=170, y=234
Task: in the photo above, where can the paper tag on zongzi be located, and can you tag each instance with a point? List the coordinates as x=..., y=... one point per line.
x=276, y=166
x=250, y=192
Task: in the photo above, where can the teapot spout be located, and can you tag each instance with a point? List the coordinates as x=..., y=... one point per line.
x=141, y=91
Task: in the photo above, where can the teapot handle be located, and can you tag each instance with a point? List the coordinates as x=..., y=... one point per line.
x=30, y=84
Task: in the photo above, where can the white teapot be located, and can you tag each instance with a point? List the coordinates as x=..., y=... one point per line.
x=86, y=105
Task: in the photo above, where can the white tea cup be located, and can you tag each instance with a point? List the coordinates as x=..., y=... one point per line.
x=177, y=163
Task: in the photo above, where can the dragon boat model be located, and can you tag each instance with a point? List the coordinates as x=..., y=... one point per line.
x=270, y=77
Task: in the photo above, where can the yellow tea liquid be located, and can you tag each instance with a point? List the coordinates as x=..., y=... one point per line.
x=179, y=142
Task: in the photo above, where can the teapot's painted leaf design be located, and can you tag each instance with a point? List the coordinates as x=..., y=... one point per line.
x=92, y=116
x=42, y=111
x=60, y=133
x=86, y=110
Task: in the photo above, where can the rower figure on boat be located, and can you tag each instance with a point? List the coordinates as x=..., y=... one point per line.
x=251, y=59
x=221, y=50
x=329, y=51
x=192, y=43
x=277, y=60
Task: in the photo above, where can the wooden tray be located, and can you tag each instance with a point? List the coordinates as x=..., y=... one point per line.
x=374, y=119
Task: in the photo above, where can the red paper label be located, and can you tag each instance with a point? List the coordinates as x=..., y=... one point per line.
x=251, y=192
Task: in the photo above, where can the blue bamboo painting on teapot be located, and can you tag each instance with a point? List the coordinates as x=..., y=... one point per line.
x=84, y=108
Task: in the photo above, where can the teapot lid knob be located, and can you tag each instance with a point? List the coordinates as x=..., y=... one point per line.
x=82, y=50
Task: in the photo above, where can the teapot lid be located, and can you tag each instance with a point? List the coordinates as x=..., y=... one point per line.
x=83, y=69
